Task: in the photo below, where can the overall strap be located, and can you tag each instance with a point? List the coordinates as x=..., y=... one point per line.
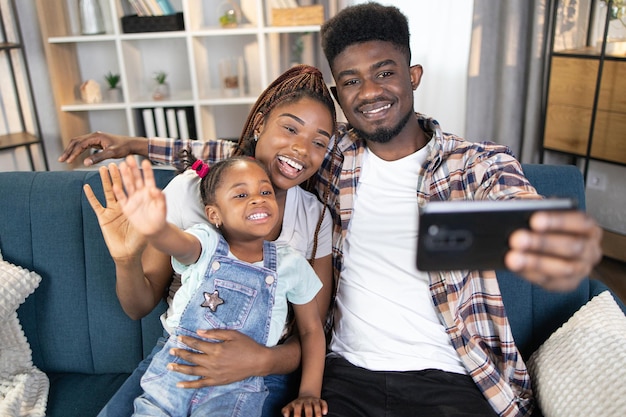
x=269, y=255
x=222, y=247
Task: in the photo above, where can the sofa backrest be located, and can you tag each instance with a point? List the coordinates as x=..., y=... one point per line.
x=534, y=313
x=47, y=225
x=73, y=321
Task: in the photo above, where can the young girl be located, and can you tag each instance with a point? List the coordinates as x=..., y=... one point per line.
x=233, y=279
x=288, y=129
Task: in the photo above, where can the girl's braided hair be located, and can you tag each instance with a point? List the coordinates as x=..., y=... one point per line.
x=215, y=177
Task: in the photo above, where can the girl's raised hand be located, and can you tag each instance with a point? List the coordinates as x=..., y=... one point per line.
x=122, y=240
x=141, y=200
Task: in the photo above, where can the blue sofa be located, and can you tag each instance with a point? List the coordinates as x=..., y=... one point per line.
x=76, y=328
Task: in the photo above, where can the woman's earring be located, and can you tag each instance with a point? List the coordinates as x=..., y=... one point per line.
x=256, y=137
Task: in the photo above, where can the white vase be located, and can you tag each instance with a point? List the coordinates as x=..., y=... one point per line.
x=91, y=19
x=161, y=91
x=114, y=95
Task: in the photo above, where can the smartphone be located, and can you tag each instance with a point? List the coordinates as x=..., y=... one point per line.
x=474, y=235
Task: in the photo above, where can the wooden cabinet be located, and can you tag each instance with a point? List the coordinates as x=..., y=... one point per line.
x=191, y=57
x=20, y=127
x=586, y=96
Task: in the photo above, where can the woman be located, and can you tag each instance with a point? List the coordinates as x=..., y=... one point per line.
x=288, y=129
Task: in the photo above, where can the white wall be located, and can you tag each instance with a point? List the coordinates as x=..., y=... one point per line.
x=440, y=42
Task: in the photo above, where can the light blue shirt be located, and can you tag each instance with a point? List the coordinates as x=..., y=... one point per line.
x=297, y=281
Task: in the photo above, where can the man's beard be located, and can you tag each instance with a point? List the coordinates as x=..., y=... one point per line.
x=384, y=135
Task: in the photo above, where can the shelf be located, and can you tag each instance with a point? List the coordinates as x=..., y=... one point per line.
x=16, y=140
x=6, y=46
x=21, y=127
x=585, y=111
x=191, y=58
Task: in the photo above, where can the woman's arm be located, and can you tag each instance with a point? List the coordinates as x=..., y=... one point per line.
x=142, y=281
x=138, y=293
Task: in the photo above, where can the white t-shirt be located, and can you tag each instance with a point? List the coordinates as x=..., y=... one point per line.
x=297, y=281
x=302, y=212
x=385, y=319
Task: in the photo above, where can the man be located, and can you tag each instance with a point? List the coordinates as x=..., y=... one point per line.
x=407, y=343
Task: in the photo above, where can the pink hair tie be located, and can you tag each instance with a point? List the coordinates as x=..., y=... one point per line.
x=201, y=168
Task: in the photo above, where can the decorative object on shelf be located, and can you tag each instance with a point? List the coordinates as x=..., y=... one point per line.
x=232, y=76
x=229, y=14
x=114, y=93
x=91, y=19
x=298, y=16
x=162, y=88
x=90, y=92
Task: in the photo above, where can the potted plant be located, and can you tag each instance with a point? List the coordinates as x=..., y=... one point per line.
x=114, y=92
x=228, y=14
x=162, y=88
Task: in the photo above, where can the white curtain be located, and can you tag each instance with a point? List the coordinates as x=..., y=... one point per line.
x=506, y=74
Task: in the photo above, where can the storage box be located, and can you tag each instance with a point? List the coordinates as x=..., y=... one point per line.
x=138, y=24
x=298, y=16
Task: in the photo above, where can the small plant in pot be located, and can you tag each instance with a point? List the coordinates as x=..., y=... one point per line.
x=114, y=92
x=162, y=88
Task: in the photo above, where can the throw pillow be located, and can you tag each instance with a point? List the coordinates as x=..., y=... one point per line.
x=23, y=387
x=580, y=370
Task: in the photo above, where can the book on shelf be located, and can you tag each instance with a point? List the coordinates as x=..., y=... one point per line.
x=167, y=122
x=127, y=8
x=166, y=7
x=149, y=128
x=139, y=7
x=153, y=6
x=183, y=126
x=147, y=7
x=161, y=126
x=172, y=124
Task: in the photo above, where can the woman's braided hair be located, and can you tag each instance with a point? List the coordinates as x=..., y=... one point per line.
x=292, y=85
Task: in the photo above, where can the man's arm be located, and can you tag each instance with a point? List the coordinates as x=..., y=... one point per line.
x=112, y=146
x=162, y=150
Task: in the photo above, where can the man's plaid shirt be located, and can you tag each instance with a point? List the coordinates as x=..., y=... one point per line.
x=468, y=303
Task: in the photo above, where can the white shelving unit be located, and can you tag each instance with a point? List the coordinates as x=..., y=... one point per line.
x=190, y=57
x=19, y=120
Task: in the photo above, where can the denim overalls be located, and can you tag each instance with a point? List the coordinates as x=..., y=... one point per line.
x=233, y=295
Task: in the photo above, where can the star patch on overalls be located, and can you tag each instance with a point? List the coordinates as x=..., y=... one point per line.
x=212, y=300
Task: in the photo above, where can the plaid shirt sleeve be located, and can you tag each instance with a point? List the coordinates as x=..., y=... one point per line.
x=166, y=150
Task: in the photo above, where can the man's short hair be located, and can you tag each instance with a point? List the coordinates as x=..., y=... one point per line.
x=363, y=23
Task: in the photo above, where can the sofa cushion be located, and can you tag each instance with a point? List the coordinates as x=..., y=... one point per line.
x=579, y=370
x=23, y=387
